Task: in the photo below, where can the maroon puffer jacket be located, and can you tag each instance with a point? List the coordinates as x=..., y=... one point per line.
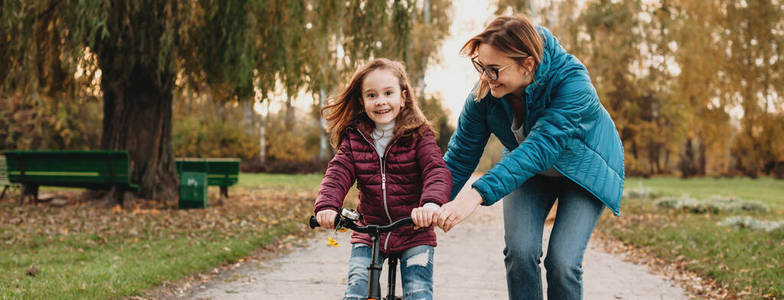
x=415, y=174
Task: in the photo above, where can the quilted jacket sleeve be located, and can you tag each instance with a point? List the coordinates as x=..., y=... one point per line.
x=338, y=179
x=467, y=143
x=436, y=179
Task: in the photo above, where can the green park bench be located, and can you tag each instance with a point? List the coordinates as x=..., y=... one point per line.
x=68, y=168
x=222, y=172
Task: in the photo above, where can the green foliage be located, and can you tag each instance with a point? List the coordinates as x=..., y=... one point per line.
x=298, y=144
x=438, y=117
x=196, y=138
x=81, y=51
x=430, y=26
x=49, y=124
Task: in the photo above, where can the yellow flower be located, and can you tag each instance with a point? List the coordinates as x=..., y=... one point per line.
x=332, y=242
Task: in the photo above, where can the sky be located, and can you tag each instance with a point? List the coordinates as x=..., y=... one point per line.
x=453, y=76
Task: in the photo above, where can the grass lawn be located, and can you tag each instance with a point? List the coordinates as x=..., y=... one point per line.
x=765, y=189
x=78, y=252
x=748, y=262
x=307, y=182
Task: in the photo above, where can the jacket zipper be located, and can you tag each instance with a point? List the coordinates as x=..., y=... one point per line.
x=383, y=180
x=384, y=188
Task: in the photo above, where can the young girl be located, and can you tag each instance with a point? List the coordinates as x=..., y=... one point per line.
x=384, y=142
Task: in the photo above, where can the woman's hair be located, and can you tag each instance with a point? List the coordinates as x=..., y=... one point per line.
x=347, y=109
x=513, y=35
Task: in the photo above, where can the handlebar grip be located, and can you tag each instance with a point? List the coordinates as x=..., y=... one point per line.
x=313, y=223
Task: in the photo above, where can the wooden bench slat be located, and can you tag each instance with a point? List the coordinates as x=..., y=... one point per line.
x=99, y=169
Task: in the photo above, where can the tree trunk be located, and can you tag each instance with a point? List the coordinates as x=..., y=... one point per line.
x=289, y=113
x=138, y=118
x=423, y=60
x=323, y=136
x=249, y=116
x=263, y=133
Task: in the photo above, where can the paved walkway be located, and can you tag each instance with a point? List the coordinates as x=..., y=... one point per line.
x=468, y=265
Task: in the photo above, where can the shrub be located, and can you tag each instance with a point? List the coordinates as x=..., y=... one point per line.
x=638, y=192
x=714, y=204
x=753, y=224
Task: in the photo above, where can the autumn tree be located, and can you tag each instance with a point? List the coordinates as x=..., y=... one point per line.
x=142, y=49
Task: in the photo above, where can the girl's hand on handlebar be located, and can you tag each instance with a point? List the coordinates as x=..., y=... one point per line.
x=423, y=216
x=326, y=218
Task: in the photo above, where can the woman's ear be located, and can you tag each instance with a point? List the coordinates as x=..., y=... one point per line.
x=528, y=63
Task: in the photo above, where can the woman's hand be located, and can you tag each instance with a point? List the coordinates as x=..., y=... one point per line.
x=423, y=216
x=326, y=218
x=457, y=210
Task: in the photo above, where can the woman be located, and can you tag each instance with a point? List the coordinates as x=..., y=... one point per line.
x=560, y=143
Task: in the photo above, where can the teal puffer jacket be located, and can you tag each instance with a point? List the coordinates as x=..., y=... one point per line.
x=566, y=128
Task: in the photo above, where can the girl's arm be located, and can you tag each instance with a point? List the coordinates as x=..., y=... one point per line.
x=436, y=179
x=467, y=143
x=338, y=179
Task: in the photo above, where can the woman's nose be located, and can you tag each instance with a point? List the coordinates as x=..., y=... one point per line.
x=484, y=76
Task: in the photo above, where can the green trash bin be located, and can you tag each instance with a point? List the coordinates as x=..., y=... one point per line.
x=193, y=190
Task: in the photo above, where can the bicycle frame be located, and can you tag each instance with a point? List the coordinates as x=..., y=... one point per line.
x=346, y=219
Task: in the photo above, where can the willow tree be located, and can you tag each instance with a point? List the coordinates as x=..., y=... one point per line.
x=405, y=30
x=142, y=49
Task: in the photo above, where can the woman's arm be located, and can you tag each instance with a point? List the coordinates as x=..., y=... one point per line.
x=573, y=104
x=467, y=143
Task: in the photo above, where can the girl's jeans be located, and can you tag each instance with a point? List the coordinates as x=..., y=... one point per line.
x=416, y=271
x=525, y=211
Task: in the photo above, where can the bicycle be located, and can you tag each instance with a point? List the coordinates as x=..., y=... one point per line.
x=347, y=219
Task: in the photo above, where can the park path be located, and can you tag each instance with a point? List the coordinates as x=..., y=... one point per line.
x=468, y=265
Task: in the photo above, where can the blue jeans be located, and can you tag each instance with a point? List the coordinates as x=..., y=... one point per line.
x=525, y=211
x=416, y=271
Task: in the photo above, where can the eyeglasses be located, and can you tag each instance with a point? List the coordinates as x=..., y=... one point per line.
x=491, y=72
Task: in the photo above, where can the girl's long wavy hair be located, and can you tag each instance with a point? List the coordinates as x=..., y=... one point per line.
x=347, y=108
x=513, y=35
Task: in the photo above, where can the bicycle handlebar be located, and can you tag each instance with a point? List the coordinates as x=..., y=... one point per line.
x=370, y=229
